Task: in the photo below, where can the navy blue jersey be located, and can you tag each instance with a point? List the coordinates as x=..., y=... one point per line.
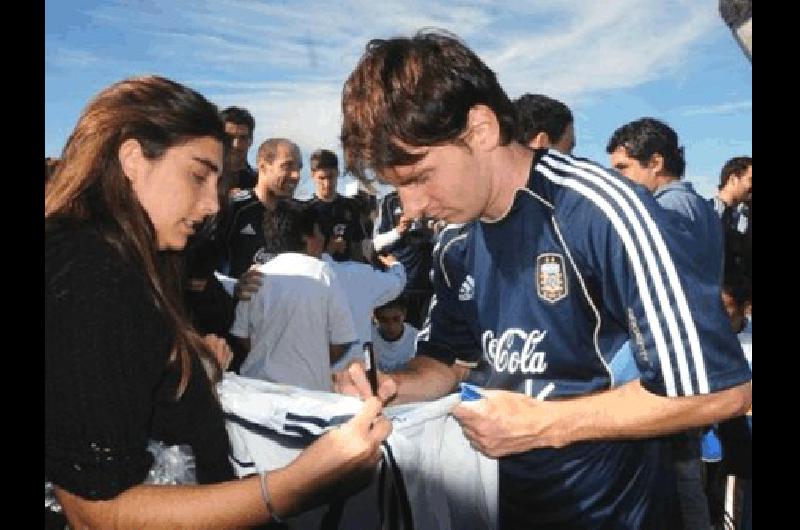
x=242, y=232
x=245, y=178
x=540, y=300
x=414, y=247
x=339, y=218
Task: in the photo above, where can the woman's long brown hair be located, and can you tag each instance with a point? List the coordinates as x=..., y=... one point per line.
x=89, y=185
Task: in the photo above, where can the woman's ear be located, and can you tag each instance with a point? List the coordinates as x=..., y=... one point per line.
x=131, y=159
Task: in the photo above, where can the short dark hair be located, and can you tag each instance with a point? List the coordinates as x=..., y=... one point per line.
x=401, y=302
x=539, y=113
x=416, y=91
x=324, y=159
x=285, y=226
x=647, y=136
x=735, y=166
x=239, y=116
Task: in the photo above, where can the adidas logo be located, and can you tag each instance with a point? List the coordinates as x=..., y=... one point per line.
x=248, y=230
x=467, y=289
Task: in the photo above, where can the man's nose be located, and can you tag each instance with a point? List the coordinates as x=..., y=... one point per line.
x=414, y=203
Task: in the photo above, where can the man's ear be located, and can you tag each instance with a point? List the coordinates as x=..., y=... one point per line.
x=131, y=159
x=540, y=141
x=483, y=129
x=656, y=163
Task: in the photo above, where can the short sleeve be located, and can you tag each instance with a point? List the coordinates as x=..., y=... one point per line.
x=448, y=334
x=341, y=329
x=241, y=319
x=654, y=278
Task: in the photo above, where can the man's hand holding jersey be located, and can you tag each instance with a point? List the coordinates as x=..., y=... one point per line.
x=503, y=423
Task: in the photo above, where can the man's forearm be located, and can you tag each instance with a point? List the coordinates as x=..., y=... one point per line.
x=630, y=411
x=426, y=379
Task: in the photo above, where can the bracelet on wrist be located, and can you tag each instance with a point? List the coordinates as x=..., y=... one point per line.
x=267, y=499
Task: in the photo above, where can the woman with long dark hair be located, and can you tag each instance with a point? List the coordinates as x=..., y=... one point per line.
x=123, y=366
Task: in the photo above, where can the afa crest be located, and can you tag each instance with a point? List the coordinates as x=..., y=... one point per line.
x=551, y=277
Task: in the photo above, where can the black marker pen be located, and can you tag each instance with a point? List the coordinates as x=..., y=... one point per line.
x=370, y=367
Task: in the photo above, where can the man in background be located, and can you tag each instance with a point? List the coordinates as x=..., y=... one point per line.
x=340, y=217
x=279, y=165
x=239, y=127
x=545, y=122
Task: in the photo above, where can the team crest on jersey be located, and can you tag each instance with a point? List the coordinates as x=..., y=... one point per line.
x=551, y=277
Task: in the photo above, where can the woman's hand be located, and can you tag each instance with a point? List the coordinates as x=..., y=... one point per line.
x=219, y=347
x=338, y=463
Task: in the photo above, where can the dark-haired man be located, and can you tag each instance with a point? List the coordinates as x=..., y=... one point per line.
x=556, y=264
x=734, y=205
x=239, y=127
x=544, y=122
x=340, y=217
x=279, y=165
x=647, y=152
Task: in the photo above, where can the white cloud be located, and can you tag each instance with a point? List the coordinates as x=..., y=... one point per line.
x=601, y=46
x=566, y=48
x=307, y=113
x=287, y=61
x=573, y=50
x=732, y=107
x=69, y=59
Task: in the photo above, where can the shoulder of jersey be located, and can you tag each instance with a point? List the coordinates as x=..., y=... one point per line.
x=452, y=239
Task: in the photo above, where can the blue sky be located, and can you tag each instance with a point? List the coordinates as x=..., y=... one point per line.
x=611, y=61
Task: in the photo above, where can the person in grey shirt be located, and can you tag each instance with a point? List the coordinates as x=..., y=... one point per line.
x=298, y=323
x=646, y=151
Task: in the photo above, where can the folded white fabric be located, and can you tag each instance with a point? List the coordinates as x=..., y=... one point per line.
x=447, y=484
